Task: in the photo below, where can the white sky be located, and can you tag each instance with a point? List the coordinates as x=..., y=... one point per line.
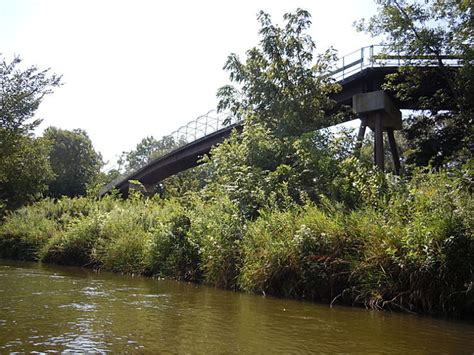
x=137, y=68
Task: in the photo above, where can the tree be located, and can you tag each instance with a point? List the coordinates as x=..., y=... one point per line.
x=148, y=149
x=74, y=161
x=281, y=83
x=21, y=94
x=24, y=168
x=282, y=93
x=436, y=29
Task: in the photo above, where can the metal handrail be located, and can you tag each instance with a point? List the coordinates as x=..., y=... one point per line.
x=202, y=126
x=376, y=56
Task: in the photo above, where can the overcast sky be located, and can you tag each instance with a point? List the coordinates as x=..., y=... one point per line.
x=137, y=68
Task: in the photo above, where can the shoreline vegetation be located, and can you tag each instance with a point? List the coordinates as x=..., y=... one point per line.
x=286, y=207
x=411, y=249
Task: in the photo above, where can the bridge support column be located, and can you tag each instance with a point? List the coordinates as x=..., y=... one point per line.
x=378, y=141
x=360, y=136
x=380, y=114
x=394, y=150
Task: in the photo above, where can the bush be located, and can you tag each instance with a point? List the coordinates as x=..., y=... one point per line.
x=419, y=248
x=128, y=253
x=125, y=239
x=172, y=252
x=304, y=252
x=24, y=233
x=326, y=253
x=217, y=226
x=76, y=245
x=270, y=255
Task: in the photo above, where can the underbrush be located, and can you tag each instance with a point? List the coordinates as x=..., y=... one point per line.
x=409, y=249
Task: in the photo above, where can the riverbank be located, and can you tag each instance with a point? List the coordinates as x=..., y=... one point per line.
x=412, y=250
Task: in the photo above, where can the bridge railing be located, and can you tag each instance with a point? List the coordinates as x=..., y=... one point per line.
x=376, y=56
x=201, y=127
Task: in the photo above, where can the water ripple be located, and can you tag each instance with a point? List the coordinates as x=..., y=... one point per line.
x=86, y=307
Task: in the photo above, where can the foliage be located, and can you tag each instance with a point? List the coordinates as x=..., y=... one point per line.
x=409, y=246
x=432, y=29
x=73, y=160
x=25, y=232
x=22, y=92
x=419, y=248
x=282, y=93
x=270, y=259
x=279, y=83
x=189, y=181
x=145, y=151
x=256, y=167
x=302, y=252
x=24, y=170
x=173, y=253
x=126, y=237
x=217, y=226
x=75, y=245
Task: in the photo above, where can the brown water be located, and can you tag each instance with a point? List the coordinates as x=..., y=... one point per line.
x=45, y=308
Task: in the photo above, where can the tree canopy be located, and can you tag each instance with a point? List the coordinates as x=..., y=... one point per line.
x=22, y=91
x=145, y=151
x=24, y=168
x=74, y=161
x=281, y=82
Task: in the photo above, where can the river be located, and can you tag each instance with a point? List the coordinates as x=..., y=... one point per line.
x=45, y=308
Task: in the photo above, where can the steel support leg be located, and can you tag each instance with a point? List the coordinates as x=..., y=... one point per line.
x=378, y=149
x=360, y=136
x=394, y=150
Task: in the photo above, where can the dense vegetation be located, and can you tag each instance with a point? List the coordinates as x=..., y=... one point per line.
x=285, y=207
x=410, y=247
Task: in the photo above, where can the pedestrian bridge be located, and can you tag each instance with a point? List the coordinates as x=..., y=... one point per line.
x=362, y=71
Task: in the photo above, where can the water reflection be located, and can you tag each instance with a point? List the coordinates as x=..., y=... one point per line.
x=46, y=308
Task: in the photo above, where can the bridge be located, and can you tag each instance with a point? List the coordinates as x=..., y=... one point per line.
x=360, y=74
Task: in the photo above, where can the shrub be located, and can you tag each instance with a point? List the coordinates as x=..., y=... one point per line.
x=326, y=252
x=24, y=233
x=304, y=252
x=172, y=252
x=217, y=226
x=125, y=238
x=419, y=248
x=270, y=255
x=75, y=246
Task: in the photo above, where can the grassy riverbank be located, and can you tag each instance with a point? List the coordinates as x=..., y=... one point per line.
x=410, y=249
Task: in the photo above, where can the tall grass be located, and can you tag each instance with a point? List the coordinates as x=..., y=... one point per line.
x=410, y=248
x=25, y=232
x=217, y=226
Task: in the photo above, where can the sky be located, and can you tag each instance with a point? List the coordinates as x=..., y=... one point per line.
x=132, y=69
